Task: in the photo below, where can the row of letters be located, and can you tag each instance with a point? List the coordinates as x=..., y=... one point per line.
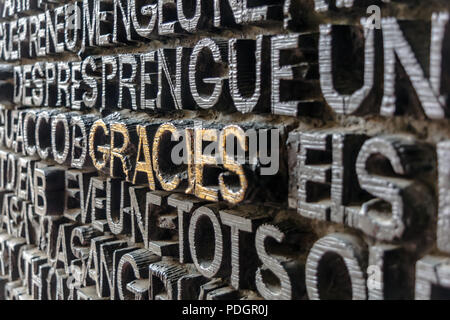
x=292, y=74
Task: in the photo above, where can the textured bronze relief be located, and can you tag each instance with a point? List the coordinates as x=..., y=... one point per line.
x=224, y=149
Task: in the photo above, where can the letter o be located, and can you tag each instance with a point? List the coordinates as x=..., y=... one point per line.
x=338, y=252
x=60, y=134
x=208, y=265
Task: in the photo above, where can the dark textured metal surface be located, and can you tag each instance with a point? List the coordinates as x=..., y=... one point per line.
x=224, y=149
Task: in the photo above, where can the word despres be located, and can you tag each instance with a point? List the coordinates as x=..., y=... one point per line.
x=103, y=198
x=289, y=74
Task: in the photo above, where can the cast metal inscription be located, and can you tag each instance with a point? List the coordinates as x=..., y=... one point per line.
x=224, y=149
